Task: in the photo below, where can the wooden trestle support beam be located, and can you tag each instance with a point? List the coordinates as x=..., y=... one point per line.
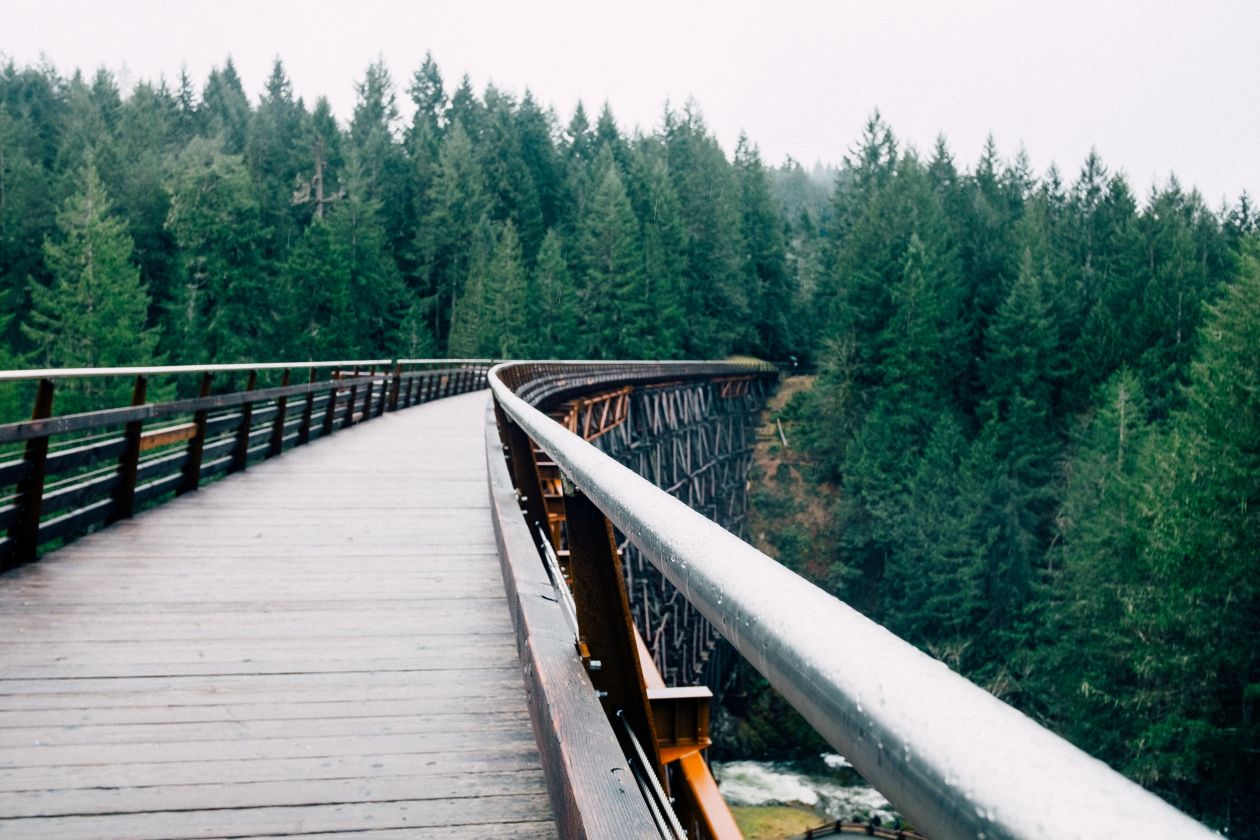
x=695, y=440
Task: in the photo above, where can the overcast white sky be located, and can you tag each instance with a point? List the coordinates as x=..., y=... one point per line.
x=1155, y=86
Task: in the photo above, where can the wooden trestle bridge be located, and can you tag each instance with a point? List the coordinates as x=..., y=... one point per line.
x=459, y=617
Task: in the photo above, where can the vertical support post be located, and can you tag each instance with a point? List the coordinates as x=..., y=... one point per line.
x=395, y=387
x=330, y=407
x=354, y=387
x=196, y=446
x=308, y=411
x=240, y=452
x=367, y=398
x=129, y=461
x=382, y=402
x=24, y=534
x=603, y=612
x=276, y=445
x=410, y=388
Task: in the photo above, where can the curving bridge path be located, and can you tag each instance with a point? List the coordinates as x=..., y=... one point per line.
x=318, y=646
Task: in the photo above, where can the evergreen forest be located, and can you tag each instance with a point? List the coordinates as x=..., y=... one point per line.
x=1033, y=438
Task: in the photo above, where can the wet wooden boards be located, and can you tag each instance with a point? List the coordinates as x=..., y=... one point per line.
x=319, y=645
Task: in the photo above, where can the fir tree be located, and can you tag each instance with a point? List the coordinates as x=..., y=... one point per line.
x=614, y=311
x=94, y=312
x=224, y=310
x=557, y=303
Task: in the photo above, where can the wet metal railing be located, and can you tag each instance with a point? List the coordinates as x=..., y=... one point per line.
x=955, y=760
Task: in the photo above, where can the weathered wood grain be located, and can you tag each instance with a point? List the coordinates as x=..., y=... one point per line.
x=318, y=645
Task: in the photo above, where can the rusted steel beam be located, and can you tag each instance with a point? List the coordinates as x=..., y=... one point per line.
x=603, y=614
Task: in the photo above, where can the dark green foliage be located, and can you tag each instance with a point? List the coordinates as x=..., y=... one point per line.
x=277, y=157
x=771, y=289
x=224, y=306
x=612, y=286
x=556, y=313
x=1038, y=481
x=93, y=313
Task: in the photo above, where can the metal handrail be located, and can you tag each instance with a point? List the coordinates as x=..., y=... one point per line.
x=157, y=370
x=958, y=762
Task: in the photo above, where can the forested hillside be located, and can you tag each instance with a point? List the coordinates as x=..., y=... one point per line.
x=1039, y=408
x=1038, y=399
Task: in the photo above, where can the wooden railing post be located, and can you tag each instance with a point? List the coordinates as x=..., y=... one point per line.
x=24, y=534
x=354, y=387
x=395, y=390
x=129, y=461
x=276, y=445
x=197, y=445
x=367, y=398
x=407, y=396
x=308, y=411
x=240, y=452
x=330, y=407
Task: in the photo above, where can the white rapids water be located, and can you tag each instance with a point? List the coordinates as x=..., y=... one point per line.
x=770, y=783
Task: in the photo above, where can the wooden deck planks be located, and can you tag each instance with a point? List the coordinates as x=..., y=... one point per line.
x=320, y=645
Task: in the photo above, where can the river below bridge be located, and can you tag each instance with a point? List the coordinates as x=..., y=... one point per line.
x=827, y=785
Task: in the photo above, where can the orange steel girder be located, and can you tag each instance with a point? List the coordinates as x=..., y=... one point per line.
x=677, y=717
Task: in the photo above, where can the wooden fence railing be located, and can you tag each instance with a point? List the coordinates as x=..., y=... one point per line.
x=64, y=475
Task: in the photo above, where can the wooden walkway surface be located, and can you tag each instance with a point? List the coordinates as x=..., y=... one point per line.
x=319, y=646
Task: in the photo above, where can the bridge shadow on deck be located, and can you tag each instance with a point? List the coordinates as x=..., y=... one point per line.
x=319, y=645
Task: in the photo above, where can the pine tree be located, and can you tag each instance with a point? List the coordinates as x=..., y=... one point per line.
x=377, y=299
x=557, y=302
x=94, y=312
x=458, y=204
x=765, y=263
x=509, y=182
x=225, y=307
x=27, y=214
x=1082, y=671
x=315, y=280
x=1197, y=666
x=276, y=156
x=510, y=328
x=615, y=314
x=386, y=170
x=471, y=316
x=716, y=293
x=664, y=259
x=224, y=111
